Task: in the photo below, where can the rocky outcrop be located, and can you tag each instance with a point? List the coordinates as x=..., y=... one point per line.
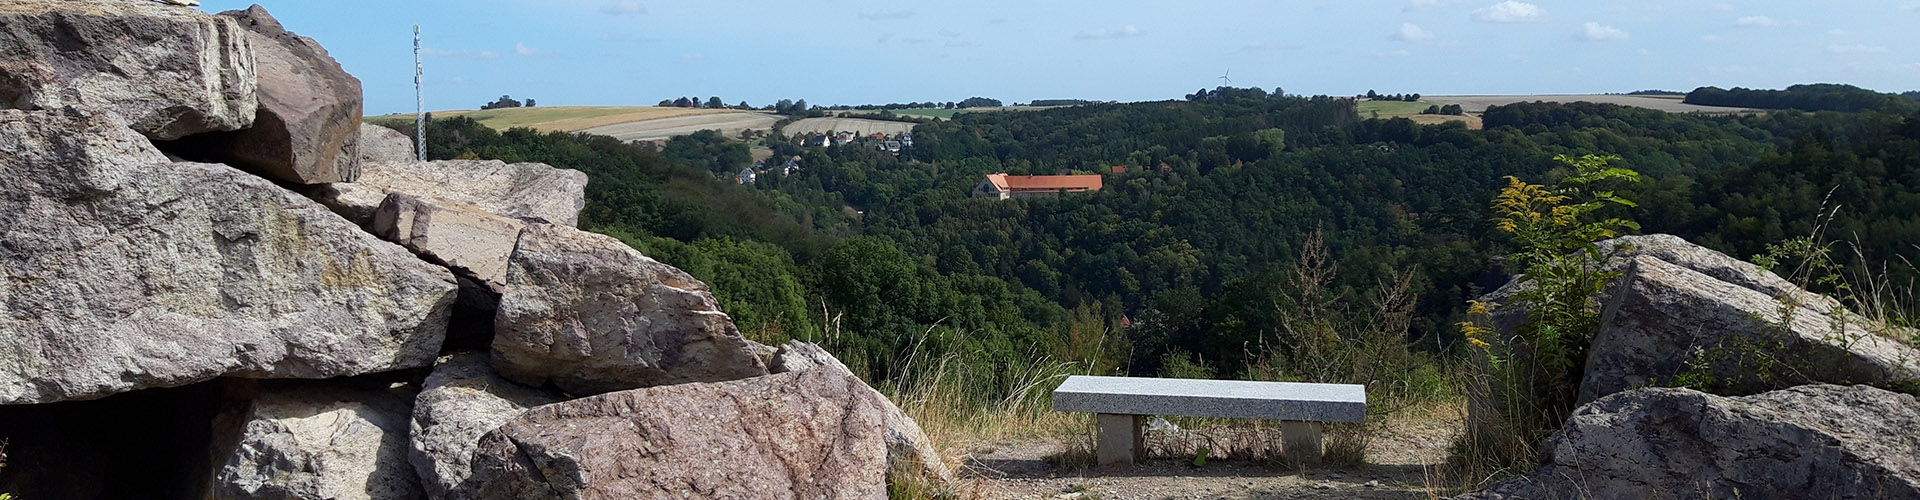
x=307, y=129
x=124, y=271
x=168, y=72
x=466, y=239
x=1819, y=441
x=807, y=434
x=462, y=401
x=588, y=314
x=528, y=191
x=1663, y=319
x=1679, y=307
x=314, y=441
x=384, y=145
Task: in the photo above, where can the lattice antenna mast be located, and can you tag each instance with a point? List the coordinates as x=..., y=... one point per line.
x=419, y=101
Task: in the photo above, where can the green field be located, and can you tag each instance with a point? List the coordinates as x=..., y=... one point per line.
x=1392, y=108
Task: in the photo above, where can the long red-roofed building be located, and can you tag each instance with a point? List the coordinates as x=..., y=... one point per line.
x=1005, y=186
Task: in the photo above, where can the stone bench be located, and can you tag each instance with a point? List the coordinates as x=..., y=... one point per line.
x=1121, y=403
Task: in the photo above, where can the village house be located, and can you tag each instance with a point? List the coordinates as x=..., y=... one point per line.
x=1003, y=186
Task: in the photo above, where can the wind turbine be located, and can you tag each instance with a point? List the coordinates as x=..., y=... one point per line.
x=1226, y=81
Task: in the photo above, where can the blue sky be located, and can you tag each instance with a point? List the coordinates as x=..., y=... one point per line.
x=637, y=52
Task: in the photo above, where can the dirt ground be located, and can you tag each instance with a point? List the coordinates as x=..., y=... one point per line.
x=1398, y=464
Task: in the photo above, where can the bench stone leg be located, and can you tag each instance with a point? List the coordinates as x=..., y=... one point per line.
x=1119, y=440
x=1301, y=441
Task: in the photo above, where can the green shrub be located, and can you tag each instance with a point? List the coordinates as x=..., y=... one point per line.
x=1531, y=376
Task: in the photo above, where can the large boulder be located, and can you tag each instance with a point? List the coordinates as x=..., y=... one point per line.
x=462, y=401
x=384, y=145
x=466, y=239
x=307, y=130
x=1663, y=320
x=806, y=434
x=1817, y=441
x=122, y=271
x=323, y=441
x=588, y=314
x=528, y=191
x=1682, y=309
x=170, y=72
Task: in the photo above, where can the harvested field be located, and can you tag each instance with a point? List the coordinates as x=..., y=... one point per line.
x=1472, y=121
x=1479, y=103
x=860, y=125
x=729, y=124
x=563, y=118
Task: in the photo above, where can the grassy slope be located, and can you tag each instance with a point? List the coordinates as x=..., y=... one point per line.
x=562, y=118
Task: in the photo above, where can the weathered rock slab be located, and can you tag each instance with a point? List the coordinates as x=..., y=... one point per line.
x=1815, y=441
x=588, y=314
x=122, y=271
x=1663, y=319
x=466, y=239
x=307, y=130
x=808, y=434
x=530, y=191
x=311, y=441
x=169, y=72
x=463, y=400
x=384, y=145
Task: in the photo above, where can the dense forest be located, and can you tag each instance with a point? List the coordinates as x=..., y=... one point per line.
x=1183, y=257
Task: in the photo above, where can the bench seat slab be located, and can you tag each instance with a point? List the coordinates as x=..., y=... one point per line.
x=1212, y=398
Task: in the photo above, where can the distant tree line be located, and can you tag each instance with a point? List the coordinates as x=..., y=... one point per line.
x=1809, y=97
x=1376, y=96
x=1656, y=92
x=1450, y=109
x=506, y=101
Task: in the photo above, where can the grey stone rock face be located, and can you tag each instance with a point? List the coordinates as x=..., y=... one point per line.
x=123, y=271
x=589, y=315
x=530, y=191
x=797, y=355
x=170, y=72
x=466, y=239
x=355, y=202
x=307, y=130
x=1662, y=317
x=384, y=145
x=1816, y=441
x=313, y=441
x=463, y=400
x=807, y=434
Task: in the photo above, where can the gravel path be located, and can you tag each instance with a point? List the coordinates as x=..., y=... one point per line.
x=1398, y=463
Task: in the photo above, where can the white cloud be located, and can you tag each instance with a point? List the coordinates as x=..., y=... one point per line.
x=1597, y=32
x=1837, y=32
x=623, y=8
x=1410, y=32
x=1646, y=52
x=1912, y=8
x=1721, y=7
x=523, y=49
x=1124, y=32
x=1420, y=5
x=950, y=33
x=1511, y=11
x=1393, y=54
x=1266, y=47
x=1763, y=22
x=693, y=57
x=959, y=43
x=1855, y=48
x=1712, y=38
x=886, y=15
x=483, y=54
